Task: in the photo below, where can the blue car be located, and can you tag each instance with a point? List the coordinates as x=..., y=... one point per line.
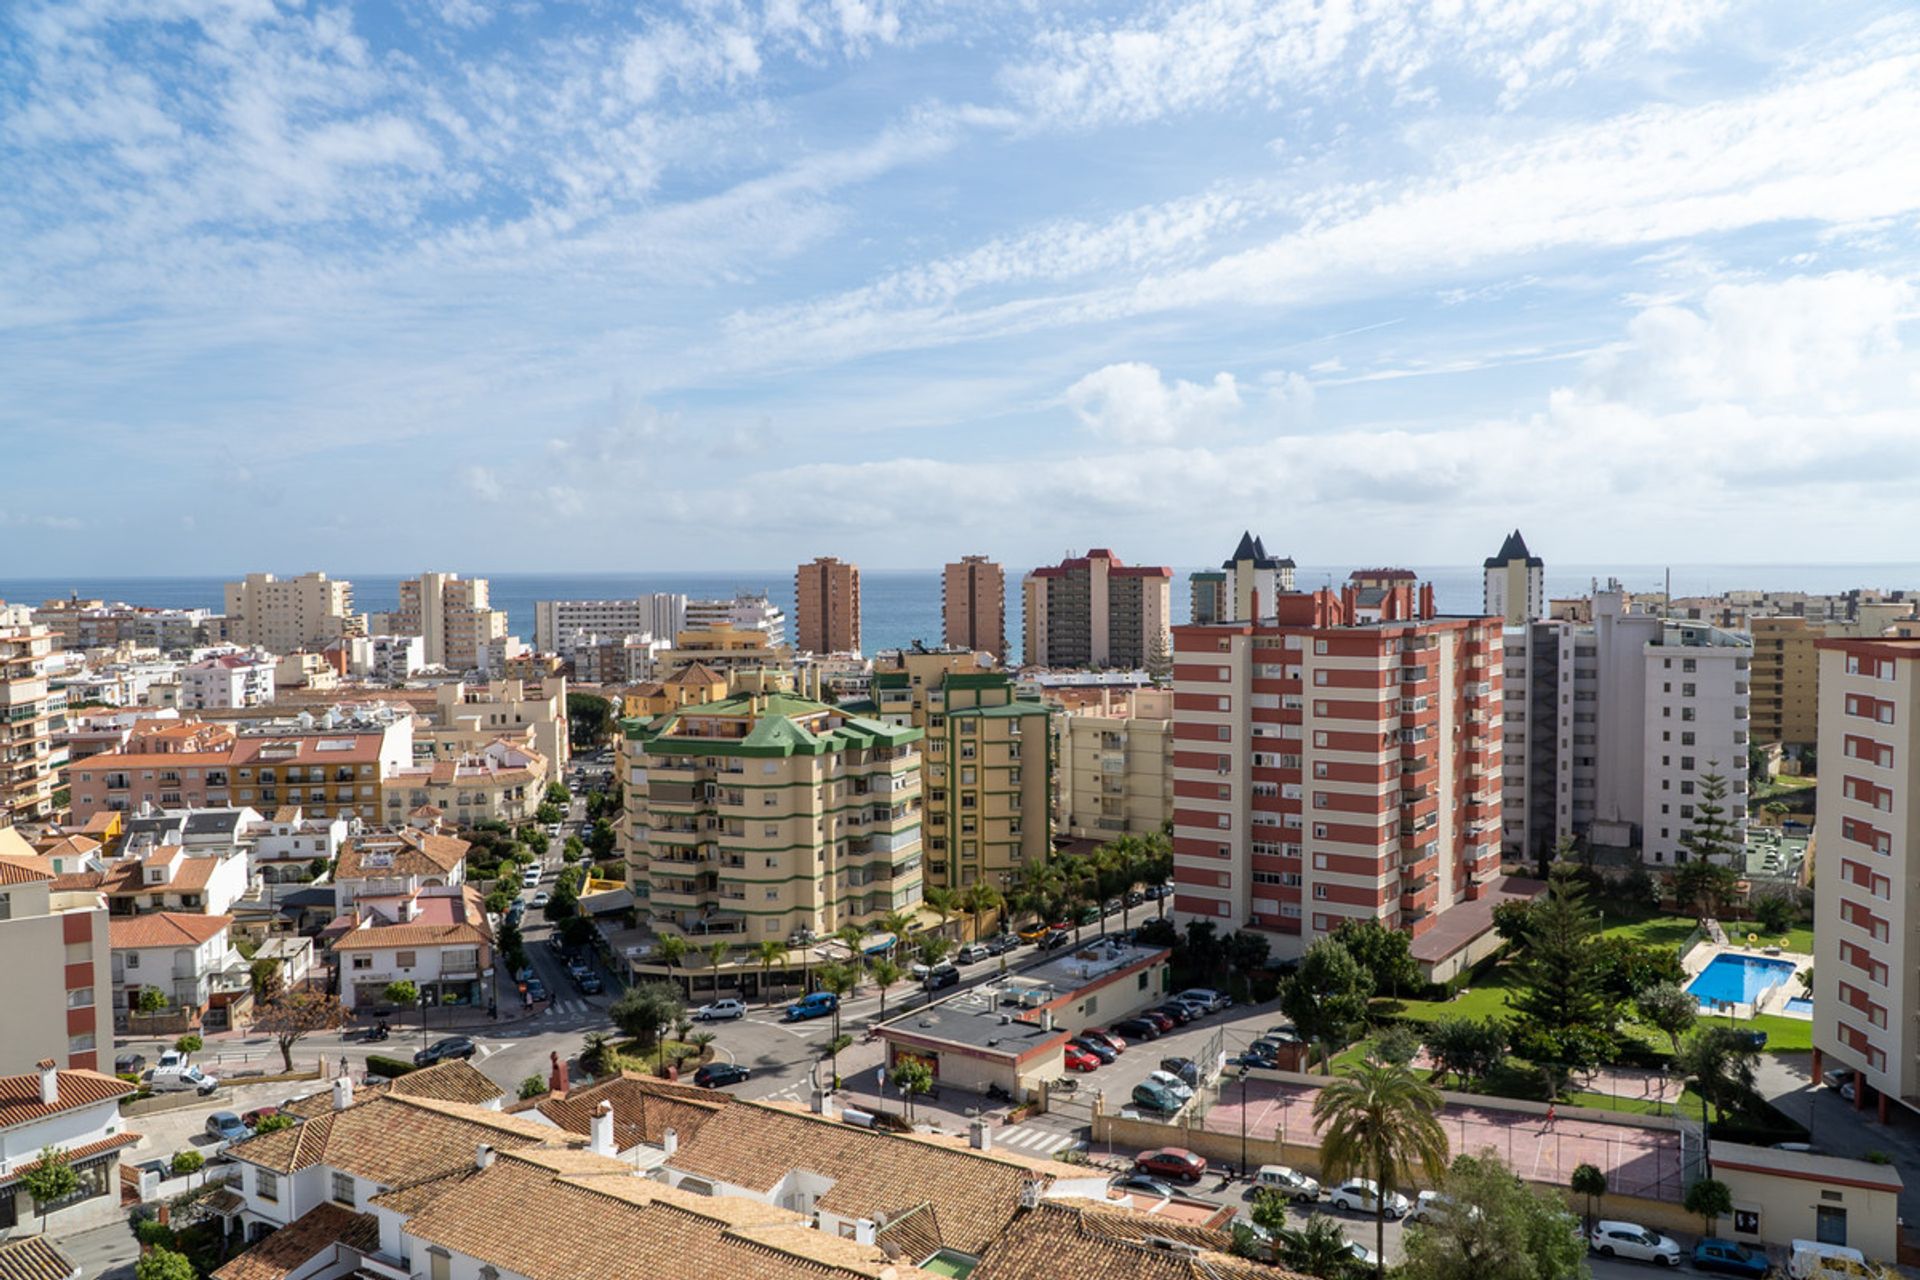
x=1729, y=1257
x=817, y=1005
x=227, y=1127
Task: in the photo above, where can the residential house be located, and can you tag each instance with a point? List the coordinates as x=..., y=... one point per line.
x=285, y=847
x=168, y=879
x=388, y=863
x=438, y=939
x=500, y=782
x=648, y=1113
x=78, y=1113
x=450, y=1081
x=189, y=958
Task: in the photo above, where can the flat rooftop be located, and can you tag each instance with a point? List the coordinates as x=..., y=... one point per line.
x=1081, y=966
x=971, y=1021
x=1464, y=921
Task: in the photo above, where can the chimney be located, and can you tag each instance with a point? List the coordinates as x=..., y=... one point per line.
x=670, y=1141
x=822, y=1103
x=600, y=1137
x=979, y=1136
x=1046, y=1019
x=483, y=1156
x=49, y=1081
x=864, y=1230
x=1253, y=605
x=343, y=1093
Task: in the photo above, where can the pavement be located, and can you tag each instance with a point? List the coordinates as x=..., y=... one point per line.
x=103, y=1253
x=1834, y=1127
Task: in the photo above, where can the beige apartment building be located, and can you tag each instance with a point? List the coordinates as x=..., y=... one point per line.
x=973, y=604
x=31, y=766
x=1096, y=611
x=1785, y=688
x=1116, y=770
x=826, y=606
x=726, y=649
x=467, y=718
x=766, y=815
x=987, y=770
x=454, y=616
x=59, y=1010
x=284, y=615
x=1866, y=998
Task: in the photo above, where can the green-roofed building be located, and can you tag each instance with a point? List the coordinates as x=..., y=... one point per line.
x=765, y=815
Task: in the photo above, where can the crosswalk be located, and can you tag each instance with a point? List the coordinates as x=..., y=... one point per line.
x=567, y=1008
x=1038, y=1142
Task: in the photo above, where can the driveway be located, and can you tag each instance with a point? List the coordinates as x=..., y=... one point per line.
x=1835, y=1128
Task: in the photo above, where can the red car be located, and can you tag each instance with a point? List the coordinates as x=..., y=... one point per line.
x=1080, y=1060
x=1163, y=1021
x=1176, y=1164
x=1111, y=1040
x=253, y=1118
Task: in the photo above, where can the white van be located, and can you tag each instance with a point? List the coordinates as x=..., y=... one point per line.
x=1809, y=1257
x=179, y=1079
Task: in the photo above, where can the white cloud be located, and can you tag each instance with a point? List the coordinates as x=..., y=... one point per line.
x=1132, y=404
x=482, y=483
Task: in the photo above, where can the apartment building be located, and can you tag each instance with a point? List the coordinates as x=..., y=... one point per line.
x=393, y=659
x=398, y=862
x=986, y=762
x=1786, y=680
x=1328, y=769
x=1866, y=999
x=767, y=814
x=1514, y=585
x=296, y=613
x=725, y=648
x=561, y=626
x=500, y=782
x=1116, y=765
x=747, y=611
x=453, y=616
x=32, y=715
x=83, y=625
x=225, y=682
x=53, y=1010
x=826, y=606
x=331, y=774
x=468, y=718
x=973, y=606
x=1096, y=611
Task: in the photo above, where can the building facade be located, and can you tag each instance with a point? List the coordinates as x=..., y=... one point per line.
x=826, y=606
x=745, y=612
x=469, y=718
x=1866, y=998
x=1514, y=585
x=225, y=682
x=987, y=762
x=1786, y=680
x=1096, y=611
x=453, y=616
x=766, y=815
x=973, y=606
x=1116, y=766
x=561, y=626
x=59, y=1010
x=31, y=717
x=282, y=615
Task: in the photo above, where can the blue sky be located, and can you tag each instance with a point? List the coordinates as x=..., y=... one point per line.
x=597, y=286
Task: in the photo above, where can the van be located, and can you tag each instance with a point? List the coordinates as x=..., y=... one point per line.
x=179, y=1079
x=1808, y=1258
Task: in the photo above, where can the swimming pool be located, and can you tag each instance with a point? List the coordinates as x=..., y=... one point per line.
x=1740, y=979
x=1798, y=1007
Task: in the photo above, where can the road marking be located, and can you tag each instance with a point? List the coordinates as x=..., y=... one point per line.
x=1042, y=1141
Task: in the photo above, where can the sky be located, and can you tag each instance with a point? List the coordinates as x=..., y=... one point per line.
x=594, y=286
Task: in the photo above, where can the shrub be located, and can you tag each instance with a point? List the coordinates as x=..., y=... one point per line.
x=185, y=1162
x=532, y=1087
x=391, y=1068
x=151, y=1231
x=189, y=1043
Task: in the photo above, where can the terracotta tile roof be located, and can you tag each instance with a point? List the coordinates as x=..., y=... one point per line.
x=390, y=1140
x=164, y=929
x=314, y=1232
x=381, y=937
x=85, y=1151
x=304, y=749
x=128, y=877
x=450, y=1081
x=224, y=1201
x=22, y=871
x=78, y=881
x=20, y=1095
x=1056, y=1239
x=400, y=853
x=70, y=846
x=643, y=1109
x=35, y=1258
x=976, y=1193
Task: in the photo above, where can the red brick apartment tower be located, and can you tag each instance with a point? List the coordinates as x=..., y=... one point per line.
x=1338, y=758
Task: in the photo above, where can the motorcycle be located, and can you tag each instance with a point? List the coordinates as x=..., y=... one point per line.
x=379, y=1032
x=998, y=1094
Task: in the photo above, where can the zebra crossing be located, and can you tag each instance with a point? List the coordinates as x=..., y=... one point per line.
x=1037, y=1142
x=567, y=1008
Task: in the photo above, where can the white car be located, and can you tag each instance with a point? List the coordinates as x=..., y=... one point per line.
x=1362, y=1195
x=1632, y=1241
x=1364, y=1257
x=1437, y=1206
x=720, y=1011
x=1173, y=1084
x=530, y=877
x=1288, y=1182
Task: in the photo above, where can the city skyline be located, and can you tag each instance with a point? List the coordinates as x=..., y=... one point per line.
x=1622, y=276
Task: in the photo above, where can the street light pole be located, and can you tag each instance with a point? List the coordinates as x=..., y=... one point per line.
x=1243, y=1121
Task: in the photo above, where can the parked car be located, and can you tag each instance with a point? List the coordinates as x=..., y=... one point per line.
x=717, y=1075
x=1634, y=1242
x=1097, y=1047
x=1807, y=1257
x=1156, y=1097
x=1078, y=1059
x=1251, y=1059
x=1731, y=1258
x=1111, y=907
x=1165, y=1021
x=1055, y=940
x=1138, y=1029
x=1142, y=1184
x=720, y=1011
x=541, y=899
x=1214, y=1001
x=1175, y=1164
x=1840, y=1079
x=1172, y=1083
x=1134, y=897
x=1431, y=1206
x=1288, y=1182
x=1155, y=892
x=816, y=1005
x=1112, y=1041
x=444, y=1050
x=1185, y=1068
x=1362, y=1195
x=537, y=991
x=253, y=1118
x=589, y=982
x=130, y=1064
x=1034, y=932
x=1001, y=943
x=972, y=953
x=1179, y=1015
x=1364, y=1259
x=940, y=977
x=1089, y=914
x=228, y=1127
x=530, y=877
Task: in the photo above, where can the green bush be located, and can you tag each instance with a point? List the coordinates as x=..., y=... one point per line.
x=532, y=1087
x=152, y=1231
x=391, y=1068
x=185, y=1162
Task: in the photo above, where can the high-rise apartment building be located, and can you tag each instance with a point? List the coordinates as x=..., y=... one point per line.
x=1786, y=680
x=54, y=951
x=745, y=612
x=766, y=814
x=30, y=718
x=1116, y=765
x=1866, y=998
x=1096, y=611
x=1327, y=769
x=282, y=615
x=973, y=602
x=1514, y=587
x=987, y=762
x=560, y=626
x=826, y=606
x=1207, y=596
x=452, y=615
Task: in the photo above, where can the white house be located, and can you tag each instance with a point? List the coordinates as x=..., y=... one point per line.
x=395, y=863
x=188, y=957
x=283, y=847
x=173, y=879
x=226, y=681
x=438, y=939
x=77, y=1112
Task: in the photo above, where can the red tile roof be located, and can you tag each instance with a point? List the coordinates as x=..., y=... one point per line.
x=316, y=1231
x=164, y=929
x=19, y=871
x=86, y=1151
x=20, y=1095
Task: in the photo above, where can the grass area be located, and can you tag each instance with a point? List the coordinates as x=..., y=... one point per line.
x=1784, y=1035
x=1487, y=997
x=1799, y=937
x=1690, y=1104
x=1652, y=931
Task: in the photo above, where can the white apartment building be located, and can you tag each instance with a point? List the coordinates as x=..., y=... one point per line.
x=1866, y=998
x=282, y=848
x=560, y=626
x=393, y=659
x=52, y=1010
x=182, y=955
x=453, y=616
x=226, y=681
x=745, y=612
x=31, y=714
x=297, y=613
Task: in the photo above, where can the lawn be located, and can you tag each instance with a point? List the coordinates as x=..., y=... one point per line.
x=1653, y=931
x=1799, y=937
x=1487, y=997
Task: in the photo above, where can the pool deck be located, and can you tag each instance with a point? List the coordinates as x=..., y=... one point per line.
x=1774, y=999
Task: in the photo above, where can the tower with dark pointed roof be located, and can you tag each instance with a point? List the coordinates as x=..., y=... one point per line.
x=1228, y=594
x=1515, y=584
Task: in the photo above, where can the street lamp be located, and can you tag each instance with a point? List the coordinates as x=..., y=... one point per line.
x=1244, y=1072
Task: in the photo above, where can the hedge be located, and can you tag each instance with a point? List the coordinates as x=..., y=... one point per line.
x=391, y=1068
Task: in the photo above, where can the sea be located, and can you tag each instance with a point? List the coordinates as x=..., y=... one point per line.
x=901, y=606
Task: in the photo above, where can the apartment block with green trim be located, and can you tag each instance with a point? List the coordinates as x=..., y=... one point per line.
x=988, y=768
x=766, y=813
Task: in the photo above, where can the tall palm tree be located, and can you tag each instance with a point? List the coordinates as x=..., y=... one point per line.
x=978, y=899
x=851, y=936
x=885, y=973
x=943, y=902
x=1378, y=1120
x=717, y=953
x=672, y=949
x=1719, y=1062
x=899, y=924
x=839, y=979
x=769, y=953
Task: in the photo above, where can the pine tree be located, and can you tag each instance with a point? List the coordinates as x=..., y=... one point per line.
x=1564, y=1013
x=1708, y=876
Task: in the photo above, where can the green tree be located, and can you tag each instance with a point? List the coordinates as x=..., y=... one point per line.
x=885, y=973
x=943, y=902
x=570, y=851
x=717, y=953
x=401, y=994
x=564, y=902
x=589, y=719
x=1247, y=950
x=912, y=1077
x=576, y=931
x=1327, y=996
x=1719, y=1062
x=1707, y=879
x=293, y=1015
x=1589, y=1182
x=532, y=1087
x=769, y=952
x=601, y=839
x=1318, y=1247
x=978, y=899
x=188, y=1044
x=537, y=841
x=51, y=1180
x=186, y=1162
x=934, y=950
x=1384, y=953
x=643, y=1009
x=1498, y=1228
x=1711, y=1199
x=1466, y=1048
x=263, y=975
x=851, y=936
x=1564, y=1016
x=163, y=1264
x=150, y=1000
x=1776, y=912
x=557, y=793
x=1668, y=1008
x=499, y=902
x=596, y=1054
x=1624, y=967
x=840, y=979
x=670, y=950
x=1380, y=1121
x=1704, y=886
x=1399, y=1044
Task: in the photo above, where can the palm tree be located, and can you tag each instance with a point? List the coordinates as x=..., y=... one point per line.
x=672, y=949
x=978, y=899
x=769, y=953
x=717, y=953
x=885, y=973
x=942, y=901
x=839, y=979
x=851, y=936
x=899, y=924
x=1719, y=1062
x=1378, y=1120
x=1318, y=1248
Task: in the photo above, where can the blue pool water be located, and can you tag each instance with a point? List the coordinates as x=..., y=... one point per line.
x=1738, y=978
x=1800, y=1006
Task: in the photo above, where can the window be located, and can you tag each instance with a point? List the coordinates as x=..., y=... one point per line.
x=1320, y=892
x=343, y=1189
x=266, y=1184
x=80, y=998
x=1224, y=732
x=404, y=959
x=133, y=959
x=439, y=1265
